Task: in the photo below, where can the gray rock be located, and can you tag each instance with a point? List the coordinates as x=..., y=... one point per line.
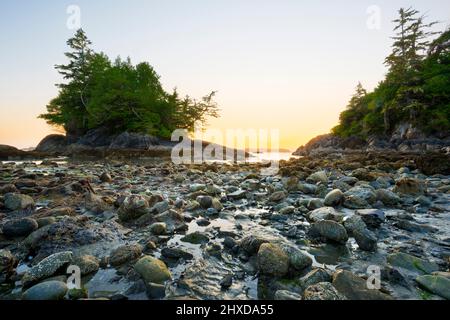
x=319, y=176
x=354, y=223
x=238, y=194
x=411, y=263
x=322, y=291
x=324, y=213
x=49, y=290
x=176, y=253
x=277, y=196
x=334, y=198
x=365, y=239
x=297, y=259
x=16, y=201
x=160, y=207
x=355, y=288
x=47, y=267
x=250, y=244
x=359, y=197
x=287, y=295
x=373, y=218
x=436, y=284
x=196, y=237
x=133, y=207
x=205, y=201
x=88, y=264
x=307, y=188
x=124, y=254
x=158, y=228
x=19, y=227
x=387, y=197
x=272, y=260
x=329, y=230
x=314, y=277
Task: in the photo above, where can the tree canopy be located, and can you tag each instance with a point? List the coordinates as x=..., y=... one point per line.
x=416, y=88
x=120, y=96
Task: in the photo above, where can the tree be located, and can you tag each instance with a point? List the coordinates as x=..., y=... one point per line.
x=119, y=96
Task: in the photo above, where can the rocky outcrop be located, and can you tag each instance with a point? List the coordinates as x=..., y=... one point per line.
x=405, y=138
x=54, y=143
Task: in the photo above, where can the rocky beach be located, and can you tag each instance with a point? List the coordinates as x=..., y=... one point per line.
x=154, y=230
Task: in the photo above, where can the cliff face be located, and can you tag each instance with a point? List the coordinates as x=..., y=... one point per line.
x=405, y=138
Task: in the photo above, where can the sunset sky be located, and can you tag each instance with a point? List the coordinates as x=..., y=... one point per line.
x=287, y=65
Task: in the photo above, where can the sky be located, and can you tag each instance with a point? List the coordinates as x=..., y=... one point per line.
x=286, y=65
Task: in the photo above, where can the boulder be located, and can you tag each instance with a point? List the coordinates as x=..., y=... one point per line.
x=49, y=290
x=324, y=213
x=359, y=197
x=373, y=218
x=411, y=263
x=272, y=260
x=329, y=230
x=53, y=143
x=133, y=207
x=435, y=284
x=334, y=198
x=124, y=254
x=410, y=186
x=17, y=201
x=322, y=291
x=19, y=227
x=47, y=267
x=355, y=288
x=365, y=239
x=152, y=270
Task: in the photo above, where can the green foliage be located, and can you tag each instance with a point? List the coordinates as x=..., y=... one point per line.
x=416, y=88
x=120, y=96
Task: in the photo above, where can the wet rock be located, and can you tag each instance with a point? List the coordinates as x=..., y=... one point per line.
x=272, y=260
x=105, y=177
x=297, y=259
x=238, y=194
x=387, y=197
x=95, y=203
x=355, y=288
x=197, y=187
x=16, y=201
x=414, y=227
x=77, y=294
x=196, y=237
x=160, y=207
x=314, y=277
x=19, y=227
x=410, y=186
x=307, y=188
x=125, y=254
x=216, y=204
x=287, y=295
x=8, y=188
x=277, y=196
x=61, y=211
x=329, y=230
x=133, y=207
x=334, y=198
x=359, y=197
x=45, y=221
x=226, y=281
x=314, y=204
x=287, y=210
x=88, y=264
x=319, y=176
x=324, y=213
x=155, y=290
x=47, y=267
x=205, y=201
x=176, y=253
x=373, y=218
x=152, y=270
x=7, y=264
x=49, y=290
x=250, y=244
x=322, y=291
x=354, y=223
x=435, y=284
x=365, y=239
x=158, y=228
x=411, y=263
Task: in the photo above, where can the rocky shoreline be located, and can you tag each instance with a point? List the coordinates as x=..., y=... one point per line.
x=154, y=230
